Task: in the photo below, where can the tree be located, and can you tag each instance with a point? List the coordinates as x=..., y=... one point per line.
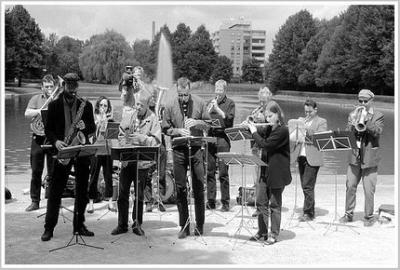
x=105, y=56
x=68, y=50
x=180, y=47
x=222, y=69
x=49, y=54
x=251, y=71
x=24, y=52
x=287, y=47
x=141, y=53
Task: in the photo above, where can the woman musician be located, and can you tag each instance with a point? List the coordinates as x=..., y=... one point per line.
x=102, y=115
x=275, y=176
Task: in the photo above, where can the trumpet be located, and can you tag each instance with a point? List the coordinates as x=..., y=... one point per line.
x=358, y=117
x=253, y=115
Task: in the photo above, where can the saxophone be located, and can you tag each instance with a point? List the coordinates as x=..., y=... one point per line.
x=75, y=136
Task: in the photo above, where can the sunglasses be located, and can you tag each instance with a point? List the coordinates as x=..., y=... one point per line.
x=183, y=95
x=103, y=105
x=362, y=101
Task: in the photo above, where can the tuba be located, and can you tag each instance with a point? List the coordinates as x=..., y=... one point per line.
x=75, y=136
x=37, y=126
x=358, y=117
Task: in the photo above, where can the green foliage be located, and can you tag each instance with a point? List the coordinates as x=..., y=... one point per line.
x=141, y=53
x=288, y=45
x=105, y=56
x=251, y=71
x=179, y=45
x=23, y=39
x=222, y=69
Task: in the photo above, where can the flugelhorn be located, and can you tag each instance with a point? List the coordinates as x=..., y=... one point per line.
x=359, y=116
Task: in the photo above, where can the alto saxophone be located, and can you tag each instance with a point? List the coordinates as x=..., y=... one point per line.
x=75, y=136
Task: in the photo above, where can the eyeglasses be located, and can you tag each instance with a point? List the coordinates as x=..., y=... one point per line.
x=103, y=105
x=363, y=101
x=183, y=95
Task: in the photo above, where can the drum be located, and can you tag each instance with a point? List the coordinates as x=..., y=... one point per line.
x=170, y=191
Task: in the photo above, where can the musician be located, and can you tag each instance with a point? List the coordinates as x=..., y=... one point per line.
x=37, y=156
x=69, y=119
x=102, y=115
x=274, y=178
x=141, y=127
x=223, y=109
x=258, y=115
x=148, y=189
x=192, y=109
x=309, y=158
x=363, y=161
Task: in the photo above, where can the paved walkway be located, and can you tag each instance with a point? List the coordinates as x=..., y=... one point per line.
x=300, y=244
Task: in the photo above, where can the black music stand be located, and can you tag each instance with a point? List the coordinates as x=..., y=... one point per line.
x=297, y=135
x=189, y=142
x=241, y=160
x=111, y=133
x=73, y=152
x=335, y=141
x=135, y=154
x=238, y=133
x=49, y=148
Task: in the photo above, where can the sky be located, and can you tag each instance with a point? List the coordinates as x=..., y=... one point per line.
x=134, y=19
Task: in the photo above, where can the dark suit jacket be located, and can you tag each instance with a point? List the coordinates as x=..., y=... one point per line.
x=276, y=153
x=55, y=125
x=368, y=155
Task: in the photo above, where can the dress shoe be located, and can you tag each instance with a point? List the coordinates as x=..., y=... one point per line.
x=345, y=219
x=34, y=206
x=199, y=230
x=184, y=233
x=149, y=207
x=161, y=207
x=84, y=231
x=90, y=210
x=119, y=230
x=112, y=208
x=210, y=206
x=271, y=240
x=47, y=235
x=305, y=218
x=225, y=208
x=259, y=237
x=138, y=230
x=369, y=222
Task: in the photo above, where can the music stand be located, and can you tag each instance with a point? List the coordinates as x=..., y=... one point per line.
x=297, y=135
x=335, y=141
x=49, y=148
x=238, y=133
x=135, y=154
x=241, y=160
x=72, y=152
x=189, y=142
x=111, y=133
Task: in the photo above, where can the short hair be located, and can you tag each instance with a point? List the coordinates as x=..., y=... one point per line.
x=265, y=90
x=97, y=105
x=138, y=68
x=48, y=78
x=143, y=96
x=221, y=83
x=183, y=82
x=310, y=102
x=275, y=108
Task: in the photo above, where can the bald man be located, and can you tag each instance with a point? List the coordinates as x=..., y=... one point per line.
x=139, y=127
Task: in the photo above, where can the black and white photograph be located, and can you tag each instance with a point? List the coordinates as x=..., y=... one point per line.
x=212, y=134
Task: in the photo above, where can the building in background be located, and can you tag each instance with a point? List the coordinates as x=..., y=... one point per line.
x=236, y=40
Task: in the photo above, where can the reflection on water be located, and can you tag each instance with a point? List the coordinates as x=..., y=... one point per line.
x=18, y=133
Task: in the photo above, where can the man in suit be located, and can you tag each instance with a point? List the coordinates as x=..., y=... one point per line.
x=180, y=118
x=364, y=160
x=63, y=112
x=309, y=157
x=223, y=109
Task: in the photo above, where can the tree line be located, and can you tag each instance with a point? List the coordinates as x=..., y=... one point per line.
x=351, y=51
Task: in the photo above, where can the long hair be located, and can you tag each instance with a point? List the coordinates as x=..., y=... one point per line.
x=275, y=108
x=97, y=106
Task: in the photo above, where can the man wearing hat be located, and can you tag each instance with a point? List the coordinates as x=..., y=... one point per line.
x=363, y=162
x=64, y=112
x=139, y=127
